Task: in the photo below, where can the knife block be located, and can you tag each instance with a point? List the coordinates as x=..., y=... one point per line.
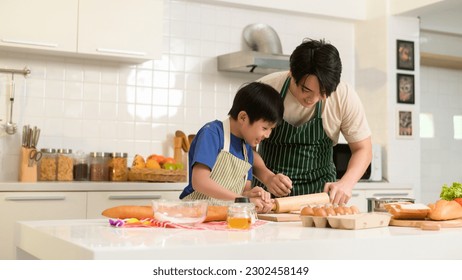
x=27, y=173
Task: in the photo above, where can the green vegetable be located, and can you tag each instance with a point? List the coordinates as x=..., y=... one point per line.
x=454, y=191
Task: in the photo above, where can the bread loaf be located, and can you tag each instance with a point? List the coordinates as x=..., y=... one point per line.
x=216, y=213
x=445, y=210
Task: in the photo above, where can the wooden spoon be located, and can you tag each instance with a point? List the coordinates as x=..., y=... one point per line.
x=185, y=142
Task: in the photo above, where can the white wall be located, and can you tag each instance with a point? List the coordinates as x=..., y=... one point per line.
x=94, y=105
x=441, y=153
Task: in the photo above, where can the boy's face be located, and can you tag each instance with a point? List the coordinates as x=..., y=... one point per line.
x=254, y=133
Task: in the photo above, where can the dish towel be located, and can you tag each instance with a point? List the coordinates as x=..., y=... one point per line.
x=150, y=222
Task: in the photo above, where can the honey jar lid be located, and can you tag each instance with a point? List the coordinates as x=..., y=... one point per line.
x=242, y=200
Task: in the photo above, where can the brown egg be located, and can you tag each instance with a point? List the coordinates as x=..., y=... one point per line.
x=307, y=211
x=339, y=210
x=320, y=211
x=330, y=211
x=354, y=209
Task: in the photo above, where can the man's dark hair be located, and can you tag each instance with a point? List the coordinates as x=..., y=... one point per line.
x=259, y=101
x=317, y=58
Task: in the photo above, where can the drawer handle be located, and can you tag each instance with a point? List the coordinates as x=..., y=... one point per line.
x=355, y=194
x=390, y=194
x=21, y=42
x=135, y=196
x=121, y=52
x=30, y=198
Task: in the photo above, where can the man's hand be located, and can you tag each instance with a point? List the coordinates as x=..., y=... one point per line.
x=279, y=185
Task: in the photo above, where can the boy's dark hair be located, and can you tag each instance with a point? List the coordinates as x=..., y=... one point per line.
x=259, y=101
x=317, y=58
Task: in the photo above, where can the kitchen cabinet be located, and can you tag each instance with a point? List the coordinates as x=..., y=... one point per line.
x=98, y=201
x=112, y=29
x=120, y=28
x=21, y=206
x=41, y=25
x=358, y=198
x=37, y=205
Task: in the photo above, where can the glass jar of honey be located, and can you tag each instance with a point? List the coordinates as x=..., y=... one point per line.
x=118, y=168
x=241, y=214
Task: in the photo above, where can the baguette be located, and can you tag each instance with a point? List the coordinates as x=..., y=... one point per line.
x=216, y=213
x=445, y=210
x=129, y=211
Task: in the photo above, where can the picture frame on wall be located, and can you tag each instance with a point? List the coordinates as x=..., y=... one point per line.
x=405, y=54
x=405, y=88
x=404, y=123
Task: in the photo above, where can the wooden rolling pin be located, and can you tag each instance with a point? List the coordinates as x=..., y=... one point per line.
x=294, y=203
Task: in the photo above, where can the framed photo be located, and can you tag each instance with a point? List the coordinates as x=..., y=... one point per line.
x=405, y=124
x=405, y=55
x=405, y=88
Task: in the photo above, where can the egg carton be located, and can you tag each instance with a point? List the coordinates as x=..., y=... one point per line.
x=352, y=222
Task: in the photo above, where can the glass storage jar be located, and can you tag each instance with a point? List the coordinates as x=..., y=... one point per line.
x=81, y=170
x=65, y=162
x=118, y=168
x=98, y=166
x=241, y=214
x=47, y=165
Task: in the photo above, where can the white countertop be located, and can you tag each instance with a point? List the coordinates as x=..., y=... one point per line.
x=96, y=239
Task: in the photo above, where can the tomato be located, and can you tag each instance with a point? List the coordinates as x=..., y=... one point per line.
x=458, y=200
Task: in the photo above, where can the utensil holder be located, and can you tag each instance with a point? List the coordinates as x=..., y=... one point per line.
x=27, y=173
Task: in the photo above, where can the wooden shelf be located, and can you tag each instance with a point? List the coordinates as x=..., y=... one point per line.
x=439, y=60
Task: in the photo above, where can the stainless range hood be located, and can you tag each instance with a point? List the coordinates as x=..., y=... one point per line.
x=252, y=61
x=264, y=54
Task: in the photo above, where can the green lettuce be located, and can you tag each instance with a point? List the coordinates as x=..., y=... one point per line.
x=449, y=193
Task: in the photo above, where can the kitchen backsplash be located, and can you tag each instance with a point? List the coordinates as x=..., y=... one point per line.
x=94, y=105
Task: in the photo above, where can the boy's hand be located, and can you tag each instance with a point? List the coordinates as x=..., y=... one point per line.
x=262, y=206
x=258, y=192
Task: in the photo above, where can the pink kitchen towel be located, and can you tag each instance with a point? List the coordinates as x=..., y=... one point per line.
x=150, y=222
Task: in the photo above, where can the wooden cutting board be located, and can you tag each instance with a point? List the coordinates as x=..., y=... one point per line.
x=280, y=217
x=427, y=224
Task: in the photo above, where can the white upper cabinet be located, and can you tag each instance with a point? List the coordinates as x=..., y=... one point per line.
x=121, y=28
x=112, y=29
x=39, y=24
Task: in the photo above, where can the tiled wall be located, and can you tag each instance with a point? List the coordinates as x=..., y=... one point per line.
x=441, y=153
x=93, y=105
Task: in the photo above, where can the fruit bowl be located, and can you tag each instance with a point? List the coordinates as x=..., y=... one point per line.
x=179, y=211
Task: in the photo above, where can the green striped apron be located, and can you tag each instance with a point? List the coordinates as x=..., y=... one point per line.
x=228, y=171
x=303, y=153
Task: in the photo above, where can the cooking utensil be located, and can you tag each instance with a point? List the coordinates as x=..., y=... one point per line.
x=185, y=142
x=10, y=127
x=34, y=156
x=294, y=203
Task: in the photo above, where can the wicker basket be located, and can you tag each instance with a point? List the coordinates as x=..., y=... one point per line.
x=156, y=175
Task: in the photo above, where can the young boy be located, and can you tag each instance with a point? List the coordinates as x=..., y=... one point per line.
x=221, y=154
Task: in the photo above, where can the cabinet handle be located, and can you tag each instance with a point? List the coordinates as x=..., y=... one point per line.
x=355, y=194
x=30, y=197
x=41, y=44
x=390, y=194
x=135, y=196
x=121, y=52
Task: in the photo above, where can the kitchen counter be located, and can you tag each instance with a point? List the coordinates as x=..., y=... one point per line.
x=95, y=239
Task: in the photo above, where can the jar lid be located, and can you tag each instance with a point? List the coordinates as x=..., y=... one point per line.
x=48, y=151
x=97, y=154
x=242, y=200
x=64, y=151
x=119, y=155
